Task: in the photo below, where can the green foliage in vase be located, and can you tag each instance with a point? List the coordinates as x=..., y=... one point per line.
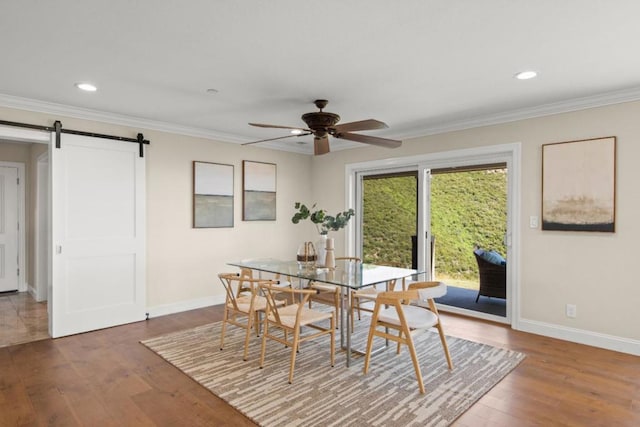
x=324, y=223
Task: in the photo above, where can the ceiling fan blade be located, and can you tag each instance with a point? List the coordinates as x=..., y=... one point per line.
x=320, y=145
x=274, y=139
x=262, y=125
x=373, y=140
x=361, y=125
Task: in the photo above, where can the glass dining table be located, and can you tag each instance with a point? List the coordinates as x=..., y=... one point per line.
x=347, y=275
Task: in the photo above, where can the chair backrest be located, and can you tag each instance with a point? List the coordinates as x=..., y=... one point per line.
x=489, y=272
x=236, y=284
x=246, y=272
x=420, y=293
x=299, y=297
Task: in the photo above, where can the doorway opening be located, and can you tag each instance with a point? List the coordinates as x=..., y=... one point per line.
x=24, y=307
x=468, y=207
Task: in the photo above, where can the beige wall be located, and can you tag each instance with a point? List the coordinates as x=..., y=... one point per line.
x=592, y=270
x=182, y=261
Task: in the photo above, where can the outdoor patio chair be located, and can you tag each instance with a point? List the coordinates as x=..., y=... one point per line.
x=493, y=277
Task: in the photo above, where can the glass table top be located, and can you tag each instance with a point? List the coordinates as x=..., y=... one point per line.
x=347, y=273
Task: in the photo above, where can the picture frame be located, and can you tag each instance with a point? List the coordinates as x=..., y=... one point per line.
x=213, y=197
x=258, y=191
x=578, y=185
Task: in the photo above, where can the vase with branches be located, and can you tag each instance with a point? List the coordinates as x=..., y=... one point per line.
x=324, y=223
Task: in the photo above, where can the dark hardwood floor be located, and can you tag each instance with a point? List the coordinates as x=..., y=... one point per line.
x=107, y=378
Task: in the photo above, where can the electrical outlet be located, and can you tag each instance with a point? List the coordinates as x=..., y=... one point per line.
x=572, y=310
x=533, y=221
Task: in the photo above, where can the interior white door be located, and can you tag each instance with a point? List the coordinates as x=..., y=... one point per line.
x=98, y=234
x=8, y=229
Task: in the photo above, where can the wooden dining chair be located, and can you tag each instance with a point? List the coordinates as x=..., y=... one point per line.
x=330, y=294
x=361, y=297
x=393, y=311
x=243, y=300
x=291, y=319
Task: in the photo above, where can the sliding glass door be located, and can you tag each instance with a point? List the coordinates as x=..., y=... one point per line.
x=392, y=221
x=430, y=213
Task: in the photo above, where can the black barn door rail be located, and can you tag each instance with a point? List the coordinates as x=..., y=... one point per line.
x=57, y=128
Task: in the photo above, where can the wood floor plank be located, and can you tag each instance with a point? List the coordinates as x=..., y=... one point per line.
x=108, y=378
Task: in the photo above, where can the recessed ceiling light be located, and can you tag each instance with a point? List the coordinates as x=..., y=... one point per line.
x=87, y=87
x=526, y=75
x=296, y=131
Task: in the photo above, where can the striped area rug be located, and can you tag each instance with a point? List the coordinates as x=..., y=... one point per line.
x=324, y=396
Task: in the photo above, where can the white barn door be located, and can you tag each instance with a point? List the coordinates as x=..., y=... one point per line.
x=98, y=234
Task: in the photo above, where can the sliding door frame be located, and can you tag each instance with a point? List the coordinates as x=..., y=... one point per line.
x=504, y=153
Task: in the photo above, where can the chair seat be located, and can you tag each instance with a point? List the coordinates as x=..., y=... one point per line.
x=324, y=287
x=416, y=317
x=244, y=302
x=367, y=293
x=288, y=315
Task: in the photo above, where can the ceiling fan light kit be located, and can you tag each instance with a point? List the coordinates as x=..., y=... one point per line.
x=323, y=123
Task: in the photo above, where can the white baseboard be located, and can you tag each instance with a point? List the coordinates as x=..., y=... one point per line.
x=32, y=291
x=595, y=339
x=163, y=310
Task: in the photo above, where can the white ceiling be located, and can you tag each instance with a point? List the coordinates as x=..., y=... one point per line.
x=421, y=66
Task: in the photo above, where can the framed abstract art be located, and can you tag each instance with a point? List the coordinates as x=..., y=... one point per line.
x=212, y=195
x=578, y=185
x=258, y=191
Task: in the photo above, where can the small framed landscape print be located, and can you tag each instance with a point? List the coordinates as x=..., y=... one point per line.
x=212, y=195
x=258, y=191
x=578, y=185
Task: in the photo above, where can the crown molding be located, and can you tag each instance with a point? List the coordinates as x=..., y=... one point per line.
x=112, y=118
x=576, y=104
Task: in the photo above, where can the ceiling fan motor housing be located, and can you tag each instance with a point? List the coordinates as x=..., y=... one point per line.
x=320, y=122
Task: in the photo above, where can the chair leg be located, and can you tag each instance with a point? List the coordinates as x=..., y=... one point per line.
x=337, y=300
x=443, y=340
x=294, y=347
x=414, y=359
x=478, y=296
x=264, y=342
x=351, y=299
x=445, y=347
x=333, y=341
x=246, y=338
x=372, y=331
x=224, y=327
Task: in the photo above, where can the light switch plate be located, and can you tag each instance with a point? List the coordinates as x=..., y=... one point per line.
x=533, y=221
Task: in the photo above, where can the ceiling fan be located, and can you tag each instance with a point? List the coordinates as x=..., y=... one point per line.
x=322, y=124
